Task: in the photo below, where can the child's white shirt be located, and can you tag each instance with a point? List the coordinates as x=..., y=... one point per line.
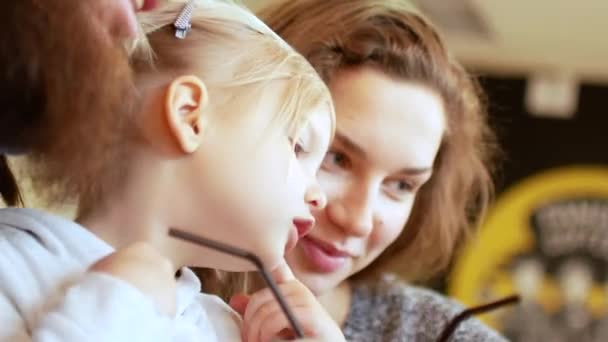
x=46, y=293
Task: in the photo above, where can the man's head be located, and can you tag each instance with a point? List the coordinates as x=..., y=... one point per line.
x=61, y=63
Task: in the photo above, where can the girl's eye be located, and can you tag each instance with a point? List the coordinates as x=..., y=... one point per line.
x=298, y=147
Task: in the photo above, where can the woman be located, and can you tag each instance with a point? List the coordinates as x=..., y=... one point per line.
x=408, y=174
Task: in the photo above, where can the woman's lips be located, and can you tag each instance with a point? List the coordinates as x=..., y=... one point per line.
x=322, y=256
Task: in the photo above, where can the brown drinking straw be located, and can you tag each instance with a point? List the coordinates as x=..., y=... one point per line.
x=453, y=324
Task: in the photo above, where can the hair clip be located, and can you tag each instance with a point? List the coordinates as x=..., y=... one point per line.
x=182, y=23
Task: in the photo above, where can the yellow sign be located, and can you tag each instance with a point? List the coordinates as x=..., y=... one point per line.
x=547, y=239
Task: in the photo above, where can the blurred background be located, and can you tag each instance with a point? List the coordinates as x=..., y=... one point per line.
x=544, y=66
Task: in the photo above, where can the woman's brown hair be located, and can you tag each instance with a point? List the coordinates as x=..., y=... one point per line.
x=390, y=36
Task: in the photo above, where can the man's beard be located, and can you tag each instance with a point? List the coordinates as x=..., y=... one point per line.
x=66, y=90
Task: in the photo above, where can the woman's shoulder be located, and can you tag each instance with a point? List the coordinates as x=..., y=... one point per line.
x=410, y=313
x=413, y=298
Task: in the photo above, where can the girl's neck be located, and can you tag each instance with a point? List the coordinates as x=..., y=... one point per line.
x=133, y=213
x=337, y=302
x=121, y=225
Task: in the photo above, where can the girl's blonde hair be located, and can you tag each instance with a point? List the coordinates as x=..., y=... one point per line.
x=234, y=53
x=229, y=48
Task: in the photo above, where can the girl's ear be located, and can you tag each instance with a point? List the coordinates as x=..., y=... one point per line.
x=186, y=111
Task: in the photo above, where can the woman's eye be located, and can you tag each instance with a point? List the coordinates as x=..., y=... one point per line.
x=399, y=187
x=334, y=160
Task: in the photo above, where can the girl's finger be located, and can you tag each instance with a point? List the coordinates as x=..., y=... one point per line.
x=239, y=303
x=264, y=296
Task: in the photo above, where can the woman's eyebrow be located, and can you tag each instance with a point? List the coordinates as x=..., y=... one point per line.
x=350, y=145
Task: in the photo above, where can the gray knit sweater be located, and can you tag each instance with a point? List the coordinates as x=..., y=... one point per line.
x=391, y=311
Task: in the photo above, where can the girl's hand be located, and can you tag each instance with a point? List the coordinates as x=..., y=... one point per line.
x=264, y=321
x=145, y=269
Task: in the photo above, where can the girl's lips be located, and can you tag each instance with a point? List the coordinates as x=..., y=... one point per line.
x=303, y=225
